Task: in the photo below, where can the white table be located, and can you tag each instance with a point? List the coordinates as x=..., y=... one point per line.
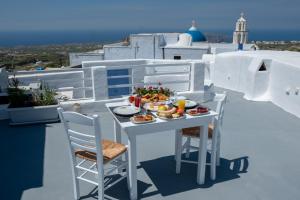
x=132, y=130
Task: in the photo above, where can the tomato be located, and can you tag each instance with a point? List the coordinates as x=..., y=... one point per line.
x=180, y=111
x=131, y=99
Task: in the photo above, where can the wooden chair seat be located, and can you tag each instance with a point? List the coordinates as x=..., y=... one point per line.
x=195, y=131
x=110, y=151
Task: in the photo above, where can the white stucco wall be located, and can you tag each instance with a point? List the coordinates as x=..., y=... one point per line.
x=285, y=77
x=116, y=53
x=77, y=58
x=280, y=83
x=55, y=80
x=185, y=53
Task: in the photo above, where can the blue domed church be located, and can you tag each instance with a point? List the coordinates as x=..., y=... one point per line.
x=197, y=36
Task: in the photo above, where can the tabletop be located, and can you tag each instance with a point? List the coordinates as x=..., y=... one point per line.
x=158, y=124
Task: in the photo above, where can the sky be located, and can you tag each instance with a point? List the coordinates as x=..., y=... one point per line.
x=45, y=15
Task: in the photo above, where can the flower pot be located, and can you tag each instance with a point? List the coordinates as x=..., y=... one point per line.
x=33, y=115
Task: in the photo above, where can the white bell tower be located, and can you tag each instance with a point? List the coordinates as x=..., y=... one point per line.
x=240, y=35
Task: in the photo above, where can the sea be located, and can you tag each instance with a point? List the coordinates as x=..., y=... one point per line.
x=24, y=38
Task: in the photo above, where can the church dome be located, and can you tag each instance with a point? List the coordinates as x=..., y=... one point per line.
x=197, y=36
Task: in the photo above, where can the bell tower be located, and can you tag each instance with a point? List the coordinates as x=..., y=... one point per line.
x=240, y=35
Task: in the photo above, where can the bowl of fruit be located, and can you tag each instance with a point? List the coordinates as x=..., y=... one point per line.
x=169, y=113
x=153, y=94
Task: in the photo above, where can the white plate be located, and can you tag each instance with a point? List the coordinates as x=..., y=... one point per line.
x=188, y=104
x=142, y=122
x=166, y=118
x=126, y=110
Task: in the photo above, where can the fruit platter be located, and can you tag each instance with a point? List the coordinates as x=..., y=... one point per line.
x=142, y=118
x=167, y=113
x=153, y=94
x=200, y=110
x=155, y=106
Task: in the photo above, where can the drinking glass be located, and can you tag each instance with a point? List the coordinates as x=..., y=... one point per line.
x=181, y=104
x=137, y=101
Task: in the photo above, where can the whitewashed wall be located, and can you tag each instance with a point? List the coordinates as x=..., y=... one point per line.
x=55, y=79
x=78, y=58
x=284, y=84
x=185, y=53
x=280, y=83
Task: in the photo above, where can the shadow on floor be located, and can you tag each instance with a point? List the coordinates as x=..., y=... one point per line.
x=118, y=191
x=162, y=173
x=22, y=159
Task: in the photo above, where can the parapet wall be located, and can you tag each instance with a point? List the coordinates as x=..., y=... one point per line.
x=261, y=77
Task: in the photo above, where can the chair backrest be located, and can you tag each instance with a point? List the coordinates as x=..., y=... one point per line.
x=221, y=99
x=78, y=140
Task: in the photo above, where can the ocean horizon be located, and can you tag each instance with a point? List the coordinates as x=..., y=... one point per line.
x=24, y=38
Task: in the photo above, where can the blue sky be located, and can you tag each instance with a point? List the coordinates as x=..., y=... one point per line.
x=146, y=14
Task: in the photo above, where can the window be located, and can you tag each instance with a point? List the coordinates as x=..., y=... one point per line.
x=262, y=67
x=177, y=57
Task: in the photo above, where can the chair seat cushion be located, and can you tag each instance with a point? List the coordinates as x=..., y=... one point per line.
x=195, y=131
x=110, y=150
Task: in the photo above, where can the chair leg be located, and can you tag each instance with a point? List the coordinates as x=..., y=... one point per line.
x=178, y=150
x=127, y=170
x=218, y=150
x=74, y=176
x=213, y=159
x=188, y=147
x=100, y=181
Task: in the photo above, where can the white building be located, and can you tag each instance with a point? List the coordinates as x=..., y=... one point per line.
x=177, y=46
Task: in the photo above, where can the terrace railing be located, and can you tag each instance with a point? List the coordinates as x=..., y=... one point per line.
x=115, y=81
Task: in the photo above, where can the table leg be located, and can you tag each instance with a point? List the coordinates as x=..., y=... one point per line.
x=117, y=138
x=117, y=132
x=202, y=155
x=176, y=144
x=132, y=167
x=178, y=150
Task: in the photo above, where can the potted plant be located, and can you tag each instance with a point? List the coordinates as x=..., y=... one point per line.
x=32, y=105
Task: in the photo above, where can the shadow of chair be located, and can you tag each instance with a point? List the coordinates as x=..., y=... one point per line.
x=162, y=173
x=118, y=191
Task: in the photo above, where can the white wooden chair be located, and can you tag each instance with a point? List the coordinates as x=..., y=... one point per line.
x=92, y=159
x=214, y=137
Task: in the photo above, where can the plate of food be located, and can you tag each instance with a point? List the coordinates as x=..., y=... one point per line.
x=126, y=110
x=154, y=98
x=198, y=111
x=155, y=106
x=153, y=94
x=171, y=114
x=142, y=119
x=188, y=104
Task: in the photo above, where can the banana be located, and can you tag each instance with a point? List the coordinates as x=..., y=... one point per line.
x=168, y=112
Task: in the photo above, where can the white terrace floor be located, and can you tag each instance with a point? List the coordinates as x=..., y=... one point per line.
x=260, y=160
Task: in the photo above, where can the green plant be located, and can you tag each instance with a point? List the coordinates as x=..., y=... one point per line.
x=44, y=95
x=26, y=98
x=16, y=96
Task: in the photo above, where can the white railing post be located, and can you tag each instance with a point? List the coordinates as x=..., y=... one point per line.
x=197, y=76
x=99, y=83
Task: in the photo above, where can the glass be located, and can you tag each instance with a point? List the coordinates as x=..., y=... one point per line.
x=181, y=104
x=137, y=101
